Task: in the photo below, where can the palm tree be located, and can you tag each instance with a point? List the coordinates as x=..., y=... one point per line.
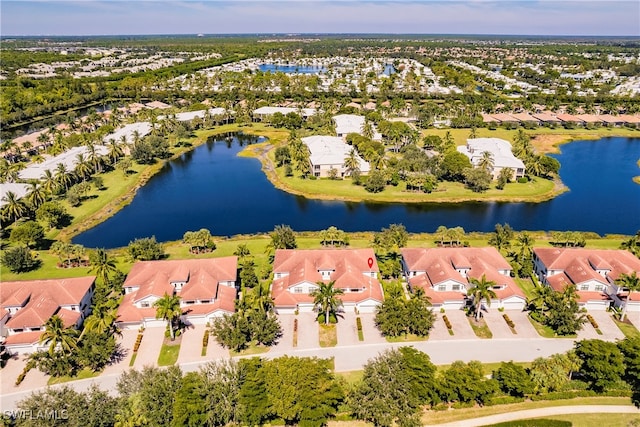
x=36, y=195
x=481, y=290
x=102, y=320
x=630, y=282
x=242, y=251
x=102, y=265
x=486, y=162
x=538, y=304
x=325, y=298
x=56, y=334
x=49, y=182
x=168, y=308
x=14, y=207
x=63, y=176
x=351, y=162
x=115, y=151
x=83, y=168
x=94, y=158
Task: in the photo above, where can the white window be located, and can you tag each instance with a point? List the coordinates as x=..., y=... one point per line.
x=190, y=302
x=584, y=287
x=441, y=288
x=455, y=287
x=599, y=288
x=144, y=304
x=205, y=301
x=297, y=290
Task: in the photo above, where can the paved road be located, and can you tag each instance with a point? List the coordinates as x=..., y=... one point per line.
x=544, y=412
x=354, y=357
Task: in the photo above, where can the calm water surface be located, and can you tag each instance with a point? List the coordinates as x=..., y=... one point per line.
x=212, y=188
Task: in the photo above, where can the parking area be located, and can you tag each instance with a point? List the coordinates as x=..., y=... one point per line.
x=191, y=345
x=13, y=368
x=497, y=325
x=347, y=330
x=459, y=323
x=524, y=328
x=308, y=331
x=369, y=330
x=610, y=331
x=125, y=344
x=150, y=346
x=634, y=318
x=285, y=343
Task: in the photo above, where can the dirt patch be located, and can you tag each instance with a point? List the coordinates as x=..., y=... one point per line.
x=548, y=143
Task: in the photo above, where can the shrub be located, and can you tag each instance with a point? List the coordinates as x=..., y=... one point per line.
x=523, y=180
x=592, y=321
x=446, y=322
x=295, y=325
x=19, y=260
x=509, y=321
x=137, y=343
x=358, y=324
x=205, y=338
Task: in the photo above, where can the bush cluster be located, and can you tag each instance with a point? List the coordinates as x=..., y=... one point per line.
x=358, y=324
x=509, y=321
x=205, y=338
x=137, y=343
x=446, y=322
x=592, y=321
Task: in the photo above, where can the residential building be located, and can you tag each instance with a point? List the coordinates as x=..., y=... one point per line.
x=329, y=152
x=69, y=159
x=26, y=306
x=207, y=289
x=266, y=112
x=444, y=273
x=297, y=273
x=353, y=123
x=501, y=154
x=592, y=271
x=19, y=189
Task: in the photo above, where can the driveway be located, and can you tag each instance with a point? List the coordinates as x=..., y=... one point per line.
x=460, y=325
x=610, y=331
x=14, y=367
x=150, y=346
x=285, y=343
x=191, y=346
x=308, y=331
x=347, y=329
x=440, y=331
x=634, y=318
x=497, y=325
x=370, y=331
x=125, y=343
x=524, y=328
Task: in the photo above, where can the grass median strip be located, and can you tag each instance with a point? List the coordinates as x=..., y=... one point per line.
x=328, y=335
x=168, y=354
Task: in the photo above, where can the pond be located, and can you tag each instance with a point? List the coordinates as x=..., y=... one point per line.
x=210, y=187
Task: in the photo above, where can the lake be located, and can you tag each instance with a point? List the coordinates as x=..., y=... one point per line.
x=210, y=187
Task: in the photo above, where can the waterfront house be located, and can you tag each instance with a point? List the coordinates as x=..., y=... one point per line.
x=296, y=274
x=444, y=273
x=592, y=271
x=207, y=289
x=500, y=151
x=327, y=153
x=26, y=306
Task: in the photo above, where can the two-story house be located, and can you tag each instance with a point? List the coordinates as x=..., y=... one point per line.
x=207, y=289
x=28, y=305
x=444, y=273
x=329, y=152
x=296, y=275
x=592, y=271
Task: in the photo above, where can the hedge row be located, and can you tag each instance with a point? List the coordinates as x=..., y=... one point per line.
x=446, y=322
x=205, y=338
x=592, y=321
x=137, y=344
x=509, y=321
x=358, y=324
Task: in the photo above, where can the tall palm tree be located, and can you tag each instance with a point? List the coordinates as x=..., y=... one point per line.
x=36, y=195
x=63, y=176
x=481, y=290
x=632, y=283
x=168, y=308
x=325, y=299
x=115, y=151
x=56, y=334
x=83, y=168
x=351, y=162
x=101, y=321
x=486, y=162
x=14, y=208
x=102, y=265
x=49, y=182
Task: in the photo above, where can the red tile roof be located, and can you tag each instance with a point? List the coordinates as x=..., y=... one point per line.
x=23, y=338
x=442, y=264
x=202, y=277
x=546, y=117
x=41, y=299
x=569, y=118
x=347, y=268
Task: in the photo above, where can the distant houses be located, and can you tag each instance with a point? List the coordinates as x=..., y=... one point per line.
x=593, y=272
x=207, y=289
x=565, y=119
x=353, y=123
x=501, y=155
x=328, y=153
x=26, y=306
x=296, y=274
x=444, y=273
x=264, y=113
x=69, y=159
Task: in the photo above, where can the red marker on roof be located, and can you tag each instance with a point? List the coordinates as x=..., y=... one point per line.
x=370, y=261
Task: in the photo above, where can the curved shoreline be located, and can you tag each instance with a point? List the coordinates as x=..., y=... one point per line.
x=114, y=206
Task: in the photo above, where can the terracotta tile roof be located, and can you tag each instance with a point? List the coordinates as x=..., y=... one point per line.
x=488, y=118
x=608, y=118
x=628, y=118
x=503, y=117
x=590, y=118
x=347, y=268
x=569, y=118
x=442, y=264
x=619, y=260
x=545, y=117
x=41, y=299
x=202, y=277
x=525, y=117
x=23, y=338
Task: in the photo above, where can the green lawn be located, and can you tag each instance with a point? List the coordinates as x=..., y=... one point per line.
x=480, y=328
x=252, y=349
x=133, y=359
x=328, y=335
x=545, y=331
x=82, y=375
x=627, y=328
x=168, y=354
x=526, y=285
x=407, y=338
x=599, y=420
x=440, y=417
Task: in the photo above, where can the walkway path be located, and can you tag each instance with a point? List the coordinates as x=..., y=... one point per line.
x=544, y=412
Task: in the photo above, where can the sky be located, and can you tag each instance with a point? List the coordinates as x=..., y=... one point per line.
x=522, y=17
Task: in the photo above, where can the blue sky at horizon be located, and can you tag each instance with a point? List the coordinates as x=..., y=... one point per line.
x=501, y=17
